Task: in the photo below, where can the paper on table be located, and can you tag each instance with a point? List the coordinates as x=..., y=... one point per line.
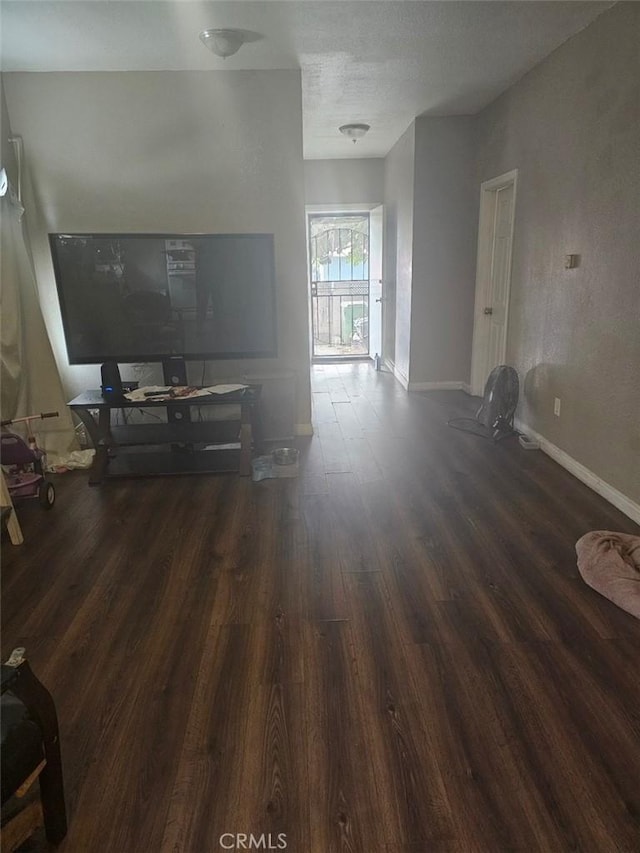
x=150, y=392
x=221, y=389
x=140, y=394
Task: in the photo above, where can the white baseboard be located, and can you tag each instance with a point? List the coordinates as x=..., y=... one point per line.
x=303, y=429
x=453, y=385
x=609, y=493
x=402, y=379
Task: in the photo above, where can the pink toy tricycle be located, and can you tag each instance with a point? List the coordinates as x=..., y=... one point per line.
x=23, y=462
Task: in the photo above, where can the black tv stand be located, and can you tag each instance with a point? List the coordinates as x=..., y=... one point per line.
x=180, y=445
x=174, y=370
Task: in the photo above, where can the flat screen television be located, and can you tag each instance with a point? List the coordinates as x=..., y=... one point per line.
x=153, y=297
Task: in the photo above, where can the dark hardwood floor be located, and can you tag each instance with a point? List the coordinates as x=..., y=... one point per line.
x=394, y=653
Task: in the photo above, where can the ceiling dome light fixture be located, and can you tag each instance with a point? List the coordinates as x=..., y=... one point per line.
x=354, y=131
x=223, y=42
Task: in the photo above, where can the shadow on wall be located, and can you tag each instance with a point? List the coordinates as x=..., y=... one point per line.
x=540, y=383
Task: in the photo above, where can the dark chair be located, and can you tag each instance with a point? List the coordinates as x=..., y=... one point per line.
x=30, y=750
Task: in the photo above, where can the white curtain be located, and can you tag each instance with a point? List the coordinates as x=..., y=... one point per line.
x=30, y=382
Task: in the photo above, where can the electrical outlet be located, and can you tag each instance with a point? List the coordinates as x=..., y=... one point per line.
x=556, y=407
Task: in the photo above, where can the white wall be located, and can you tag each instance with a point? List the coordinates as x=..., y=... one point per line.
x=445, y=215
x=398, y=253
x=169, y=152
x=344, y=182
x=572, y=129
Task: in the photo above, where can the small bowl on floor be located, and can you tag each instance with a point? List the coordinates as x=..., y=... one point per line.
x=285, y=456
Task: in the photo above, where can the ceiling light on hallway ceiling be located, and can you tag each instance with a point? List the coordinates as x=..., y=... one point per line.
x=224, y=42
x=354, y=132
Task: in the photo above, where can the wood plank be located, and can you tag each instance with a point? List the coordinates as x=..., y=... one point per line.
x=323, y=411
x=412, y=800
x=344, y=814
x=321, y=578
x=366, y=415
x=334, y=450
x=350, y=526
x=270, y=794
x=363, y=463
x=349, y=423
x=339, y=395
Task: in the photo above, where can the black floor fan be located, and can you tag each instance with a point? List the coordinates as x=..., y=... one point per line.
x=494, y=418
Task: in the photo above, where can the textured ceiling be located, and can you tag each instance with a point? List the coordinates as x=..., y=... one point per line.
x=382, y=62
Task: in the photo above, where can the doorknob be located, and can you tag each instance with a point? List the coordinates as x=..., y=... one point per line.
x=379, y=299
x=488, y=311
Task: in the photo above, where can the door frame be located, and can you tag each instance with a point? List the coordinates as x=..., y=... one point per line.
x=378, y=228
x=338, y=209
x=486, y=227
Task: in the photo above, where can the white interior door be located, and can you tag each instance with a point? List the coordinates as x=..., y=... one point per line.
x=493, y=278
x=375, y=281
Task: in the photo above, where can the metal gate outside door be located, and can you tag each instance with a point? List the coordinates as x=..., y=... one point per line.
x=339, y=276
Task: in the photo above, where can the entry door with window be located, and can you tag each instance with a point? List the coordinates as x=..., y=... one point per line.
x=339, y=276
